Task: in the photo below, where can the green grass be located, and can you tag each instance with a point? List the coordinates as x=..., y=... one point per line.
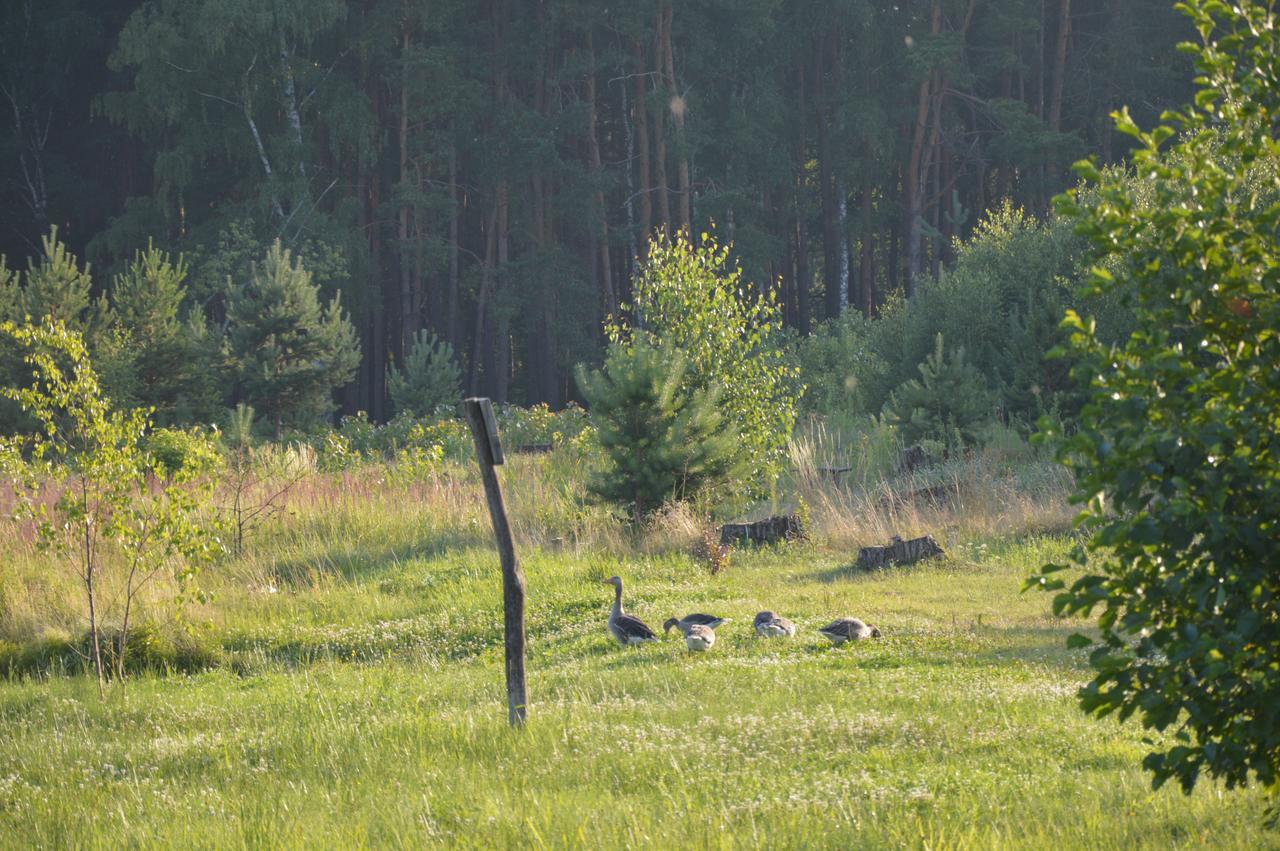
x=362, y=704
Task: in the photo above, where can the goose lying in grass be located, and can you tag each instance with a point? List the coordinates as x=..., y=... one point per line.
x=848, y=629
x=696, y=636
x=770, y=625
x=628, y=629
x=694, y=619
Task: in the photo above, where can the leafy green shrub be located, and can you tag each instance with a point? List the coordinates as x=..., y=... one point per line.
x=430, y=379
x=539, y=425
x=662, y=442
x=1176, y=457
x=452, y=435
x=840, y=366
x=1001, y=302
x=948, y=403
x=187, y=452
x=335, y=453
x=692, y=298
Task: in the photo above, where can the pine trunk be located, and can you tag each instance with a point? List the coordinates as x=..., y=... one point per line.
x=677, y=106
x=640, y=110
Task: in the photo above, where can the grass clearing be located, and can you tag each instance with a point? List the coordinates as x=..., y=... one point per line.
x=359, y=698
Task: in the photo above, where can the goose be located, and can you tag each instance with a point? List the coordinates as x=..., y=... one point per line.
x=628, y=629
x=698, y=636
x=770, y=625
x=848, y=629
x=694, y=619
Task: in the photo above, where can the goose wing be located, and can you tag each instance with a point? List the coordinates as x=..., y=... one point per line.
x=701, y=619
x=631, y=628
x=841, y=628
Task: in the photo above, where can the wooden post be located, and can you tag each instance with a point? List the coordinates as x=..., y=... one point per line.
x=484, y=431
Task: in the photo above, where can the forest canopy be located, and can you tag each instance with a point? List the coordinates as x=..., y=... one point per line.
x=490, y=173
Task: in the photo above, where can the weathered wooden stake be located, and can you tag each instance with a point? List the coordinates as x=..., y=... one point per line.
x=484, y=431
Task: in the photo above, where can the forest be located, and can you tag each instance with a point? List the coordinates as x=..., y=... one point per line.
x=491, y=173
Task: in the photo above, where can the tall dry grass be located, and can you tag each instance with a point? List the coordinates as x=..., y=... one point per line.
x=990, y=493
x=331, y=528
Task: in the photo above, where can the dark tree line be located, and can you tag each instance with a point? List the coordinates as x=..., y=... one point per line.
x=491, y=170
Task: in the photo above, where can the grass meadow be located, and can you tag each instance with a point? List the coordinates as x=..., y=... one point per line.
x=347, y=684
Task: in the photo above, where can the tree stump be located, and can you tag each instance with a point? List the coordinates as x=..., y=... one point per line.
x=770, y=530
x=533, y=449
x=898, y=551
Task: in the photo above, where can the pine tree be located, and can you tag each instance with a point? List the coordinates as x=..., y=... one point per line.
x=58, y=286
x=288, y=353
x=948, y=403
x=172, y=360
x=430, y=377
x=662, y=442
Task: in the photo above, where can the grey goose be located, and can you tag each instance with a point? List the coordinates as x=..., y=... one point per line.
x=627, y=629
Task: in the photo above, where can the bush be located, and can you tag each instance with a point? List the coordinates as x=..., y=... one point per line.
x=662, y=442
x=430, y=379
x=841, y=368
x=187, y=452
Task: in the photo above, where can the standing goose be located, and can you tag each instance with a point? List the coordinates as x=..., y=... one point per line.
x=698, y=637
x=770, y=625
x=848, y=629
x=628, y=629
x=694, y=619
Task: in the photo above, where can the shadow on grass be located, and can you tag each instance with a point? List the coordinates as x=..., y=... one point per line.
x=1045, y=645
x=367, y=563
x=637, y=657
x=850, y=573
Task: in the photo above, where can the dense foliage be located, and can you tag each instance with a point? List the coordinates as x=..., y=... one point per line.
x=1001, y=302
x=1176, y=455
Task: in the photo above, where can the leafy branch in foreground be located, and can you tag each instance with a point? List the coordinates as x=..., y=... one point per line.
x=121, y=516
x=1176, y=457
